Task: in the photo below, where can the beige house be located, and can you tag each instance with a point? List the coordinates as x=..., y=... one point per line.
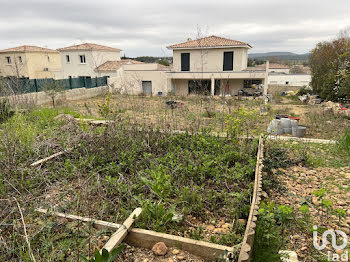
x=137, y=78
x=113, y=68
x=213, y=65
x=82, y=60
x=31, y=62
x=210, y=65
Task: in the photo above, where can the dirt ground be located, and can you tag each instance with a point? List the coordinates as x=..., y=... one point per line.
x=300, y=183
x=198, y=112
x=135, y=254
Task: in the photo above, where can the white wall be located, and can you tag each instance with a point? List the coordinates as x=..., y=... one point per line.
x=41, y=98
x=211, y=59
x=130, y=81
x=93, y=59
x=293, y=80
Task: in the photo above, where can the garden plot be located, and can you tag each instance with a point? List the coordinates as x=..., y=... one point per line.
x=195, y=186
x=307, y=184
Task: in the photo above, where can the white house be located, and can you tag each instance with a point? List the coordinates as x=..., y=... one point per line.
x=210, y=65
x=82, y=60
x=213, y=65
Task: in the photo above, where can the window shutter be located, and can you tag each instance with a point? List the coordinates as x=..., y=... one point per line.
x=185, y=61
x=228, y=61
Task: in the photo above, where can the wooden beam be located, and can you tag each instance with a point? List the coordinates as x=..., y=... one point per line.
x=97, y=223
x=121, y=233
x=147, y=238
x=42, y=161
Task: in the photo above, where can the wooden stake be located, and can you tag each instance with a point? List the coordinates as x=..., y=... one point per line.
x=121, y=233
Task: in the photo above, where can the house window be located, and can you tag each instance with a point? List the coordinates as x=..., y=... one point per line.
x=228, y=61
x=8, y=58
x=67, y=59
x=287, y=83
x=185, y=61
x=48, y=58
x=82, y=59
x=20, y=60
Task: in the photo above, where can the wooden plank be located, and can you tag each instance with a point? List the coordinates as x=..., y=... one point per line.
x=42, y=161
x=121, y=233
x=147, y=238
x=97, y=223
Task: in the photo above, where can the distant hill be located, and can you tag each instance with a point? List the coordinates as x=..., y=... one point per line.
x=150, y=59
x=282, y=56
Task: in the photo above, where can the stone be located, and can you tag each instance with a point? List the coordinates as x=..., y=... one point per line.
x=175, y=252
x=346, y=230
x=64, y=117
x=145, y=260
x=218, y=230
x=180, y=257
x=303, y=248
x=226, y=226
x=264, y=194
x=242, y=221
x=289, y=256
x=170, y=260
x=105, y=238
x=159, y=249
x=210, y=227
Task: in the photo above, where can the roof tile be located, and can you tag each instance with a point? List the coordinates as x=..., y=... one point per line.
x=28, y=48
x=210, y=41
x=89, y=46
x=115, y=65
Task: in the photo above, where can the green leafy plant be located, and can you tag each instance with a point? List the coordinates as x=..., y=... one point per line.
x=105, y=109
x=105, y=256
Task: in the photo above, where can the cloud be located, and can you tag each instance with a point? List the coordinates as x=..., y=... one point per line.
x=147, y=27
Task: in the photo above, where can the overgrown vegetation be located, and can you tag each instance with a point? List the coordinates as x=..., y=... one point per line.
x=330, y=64
x=111, y=170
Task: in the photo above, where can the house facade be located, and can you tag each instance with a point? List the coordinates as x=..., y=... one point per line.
x=82, y=60
x=142, y=78
x=31, y=62
x=213, y=65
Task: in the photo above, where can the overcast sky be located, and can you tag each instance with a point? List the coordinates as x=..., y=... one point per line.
x=147, y=27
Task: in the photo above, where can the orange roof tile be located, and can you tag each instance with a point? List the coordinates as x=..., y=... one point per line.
x=210, y=41
x=115, y=65
x=28, y=48
x=89, y=46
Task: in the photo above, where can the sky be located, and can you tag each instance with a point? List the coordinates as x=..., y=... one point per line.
x=147, y=27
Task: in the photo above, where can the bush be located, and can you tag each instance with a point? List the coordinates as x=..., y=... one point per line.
x=5, y=110
x=344, y=143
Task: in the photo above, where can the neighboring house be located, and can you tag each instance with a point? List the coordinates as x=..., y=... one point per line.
x=142, y=78
x=82, y=60
x=213, y=65
x=283, y=75
x=273, y=68
x=113, y=68
x=31, y=62
x=296, y=80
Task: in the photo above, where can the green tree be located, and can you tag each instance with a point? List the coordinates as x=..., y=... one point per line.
x=330, y=66
x=53, y=89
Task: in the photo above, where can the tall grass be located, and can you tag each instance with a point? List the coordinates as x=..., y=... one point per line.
x=344, y=142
